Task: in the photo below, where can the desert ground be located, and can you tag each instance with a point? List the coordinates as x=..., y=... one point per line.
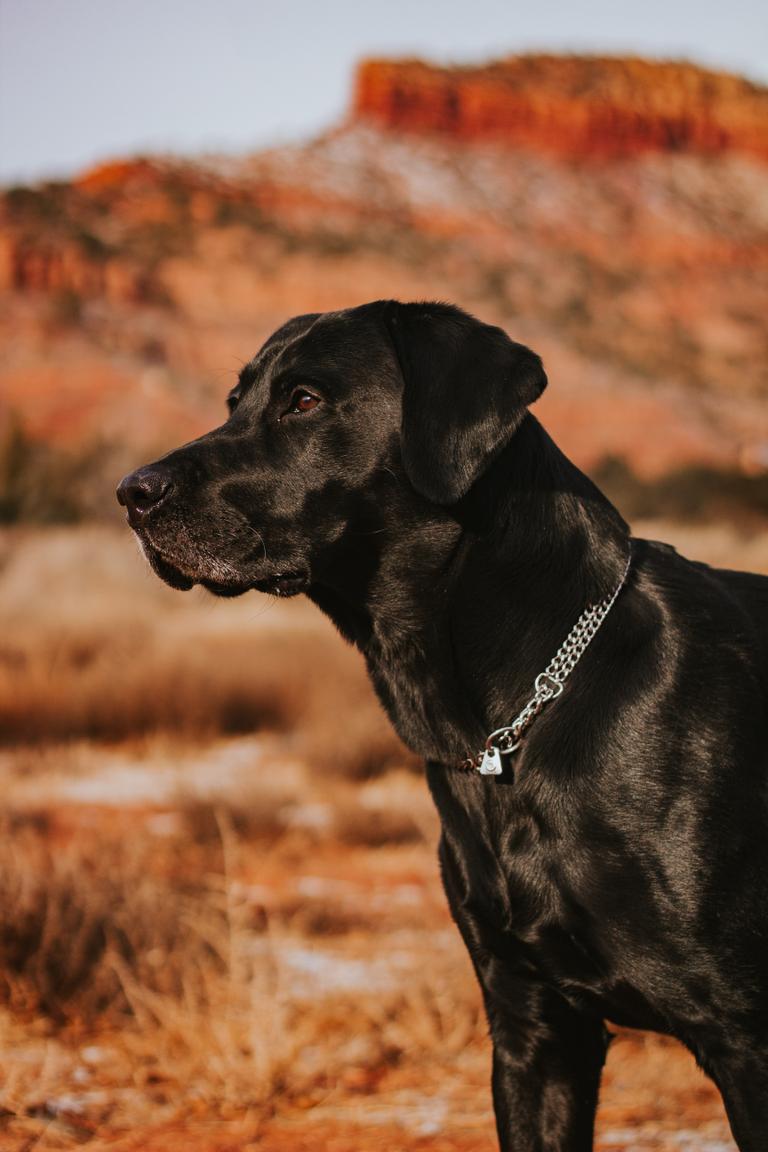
x=221, y=919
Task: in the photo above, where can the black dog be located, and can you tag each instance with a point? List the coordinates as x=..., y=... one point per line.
x=382, y=460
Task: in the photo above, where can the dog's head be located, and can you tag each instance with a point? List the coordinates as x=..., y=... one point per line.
x=340, y=415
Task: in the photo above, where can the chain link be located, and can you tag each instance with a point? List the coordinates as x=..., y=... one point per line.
x=548, y=684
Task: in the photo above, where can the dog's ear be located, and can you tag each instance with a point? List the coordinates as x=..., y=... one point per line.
x=467, y=386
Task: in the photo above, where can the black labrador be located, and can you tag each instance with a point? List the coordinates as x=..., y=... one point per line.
x=383, y=461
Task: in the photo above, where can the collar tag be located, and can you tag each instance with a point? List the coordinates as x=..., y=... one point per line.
x=490, y=765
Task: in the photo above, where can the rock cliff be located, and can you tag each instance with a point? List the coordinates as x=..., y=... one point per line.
x=580, y=106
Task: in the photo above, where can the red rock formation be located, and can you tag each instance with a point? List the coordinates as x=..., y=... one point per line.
x=115, y=175
x=28, y=266
x=580, y=106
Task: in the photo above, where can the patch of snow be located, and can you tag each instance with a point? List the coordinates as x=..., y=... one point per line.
x=315, y=816
x=314, y=970
x=75, y=1103
x=319, y=887
x=685, y=1140
x=118, y=779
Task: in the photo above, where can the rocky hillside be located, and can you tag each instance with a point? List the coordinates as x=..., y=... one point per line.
x=130, y=296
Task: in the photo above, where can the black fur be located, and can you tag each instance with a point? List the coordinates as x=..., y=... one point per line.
x=618, y=871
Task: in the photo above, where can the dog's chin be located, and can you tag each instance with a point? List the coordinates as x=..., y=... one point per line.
x=289, y=583
x=167, y=572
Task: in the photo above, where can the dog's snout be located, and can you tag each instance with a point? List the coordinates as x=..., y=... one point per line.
x=142, y=491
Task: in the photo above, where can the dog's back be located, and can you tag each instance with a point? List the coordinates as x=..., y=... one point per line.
x=751, y=591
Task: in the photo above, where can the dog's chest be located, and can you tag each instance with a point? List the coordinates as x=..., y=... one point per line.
x=518, y=854
x=516, y=867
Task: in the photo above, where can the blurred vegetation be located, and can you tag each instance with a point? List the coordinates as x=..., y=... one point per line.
x=691, y=494
x=41, y=484
x=43, y=204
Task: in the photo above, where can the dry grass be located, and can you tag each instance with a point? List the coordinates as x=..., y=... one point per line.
x=96, y=935
x=371, y=825
x=77, y=915
x=116, y=684
x=115, y=657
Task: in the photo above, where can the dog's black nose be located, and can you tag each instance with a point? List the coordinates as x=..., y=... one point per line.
x=142, y=491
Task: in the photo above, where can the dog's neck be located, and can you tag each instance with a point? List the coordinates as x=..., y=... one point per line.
x=461, y=608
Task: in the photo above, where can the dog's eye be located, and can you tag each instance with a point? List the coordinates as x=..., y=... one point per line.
x=303, y=401
x=232, y=403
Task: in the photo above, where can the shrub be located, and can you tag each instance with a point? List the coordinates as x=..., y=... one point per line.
x=695, y=493
x=42, y=484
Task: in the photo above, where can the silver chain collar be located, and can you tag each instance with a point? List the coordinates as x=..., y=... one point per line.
x=548, y=684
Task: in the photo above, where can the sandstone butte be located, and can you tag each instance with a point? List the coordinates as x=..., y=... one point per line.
x=571, y=105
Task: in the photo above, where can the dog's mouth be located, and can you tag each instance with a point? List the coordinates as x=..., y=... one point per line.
x=284, y=584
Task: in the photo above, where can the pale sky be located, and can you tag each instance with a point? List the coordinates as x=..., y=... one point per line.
x=81, y=80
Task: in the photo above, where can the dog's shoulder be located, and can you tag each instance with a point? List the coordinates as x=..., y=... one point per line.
x=718, y=603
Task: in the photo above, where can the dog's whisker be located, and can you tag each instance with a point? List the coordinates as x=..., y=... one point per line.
x=260, y=538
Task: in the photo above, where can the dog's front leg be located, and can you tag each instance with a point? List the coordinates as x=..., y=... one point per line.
x=741, y=1073
x=547, y=1061
x=547, y=1055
